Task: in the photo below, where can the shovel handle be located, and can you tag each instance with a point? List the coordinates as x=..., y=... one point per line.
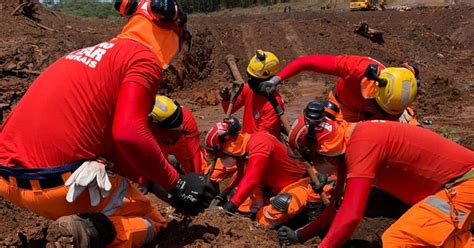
x=232, y=64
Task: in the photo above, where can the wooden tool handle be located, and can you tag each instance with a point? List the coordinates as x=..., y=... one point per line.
x=231, y=63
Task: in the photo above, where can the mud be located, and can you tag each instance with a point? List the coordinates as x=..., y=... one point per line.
x=439, y=39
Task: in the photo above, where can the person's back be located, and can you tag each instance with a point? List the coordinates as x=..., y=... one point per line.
x=407, y=161
x=281, y=170
x=67, y=108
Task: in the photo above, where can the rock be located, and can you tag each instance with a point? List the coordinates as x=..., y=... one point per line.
x=440, y=55
x=7, y=67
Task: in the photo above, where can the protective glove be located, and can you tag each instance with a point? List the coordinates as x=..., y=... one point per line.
x=93, y=175
x=323, y=180
x=287, y=236
x=194, y=190
x=224, y=92
x=269, y=86
x=230, y=207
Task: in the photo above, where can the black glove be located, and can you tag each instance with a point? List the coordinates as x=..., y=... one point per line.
x=224, y=92
x=269, y=86
x=230, y=207
x=287, y=236
x=323, y=180
x=194, y=190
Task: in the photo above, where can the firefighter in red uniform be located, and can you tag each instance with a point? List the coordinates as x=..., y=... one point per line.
x=95, y=103
x=176, y=131
x=359, y=94
x=432, y=174
x=274, y=182
x=259, y=115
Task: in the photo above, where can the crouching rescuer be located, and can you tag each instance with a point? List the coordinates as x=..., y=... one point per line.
x=432, y=174
x=82, y=127
x=273, y=187
x=365, y=90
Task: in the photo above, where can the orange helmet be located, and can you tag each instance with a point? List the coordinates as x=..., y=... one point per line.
x=313, y=132
x=226, y=137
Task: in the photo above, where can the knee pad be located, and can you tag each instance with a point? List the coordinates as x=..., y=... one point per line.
x=104, y=227
x=281, y=202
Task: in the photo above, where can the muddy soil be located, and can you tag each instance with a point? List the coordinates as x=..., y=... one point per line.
x=439, y=39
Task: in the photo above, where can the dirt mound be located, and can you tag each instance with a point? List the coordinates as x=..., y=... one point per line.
x=468, y=141
x=214, y=227
x=19, y=227
x=38, y=36
x=436, y=38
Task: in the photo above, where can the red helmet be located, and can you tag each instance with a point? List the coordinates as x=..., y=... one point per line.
x=226, y=137
x=326, y=137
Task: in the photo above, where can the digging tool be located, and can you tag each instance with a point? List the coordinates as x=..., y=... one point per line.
x=286, y=124
x=236, y=84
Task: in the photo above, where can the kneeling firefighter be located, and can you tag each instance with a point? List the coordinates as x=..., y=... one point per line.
x=274, y=182
x=365, y=90
x=85, y=116
x=175, y=129
x=432, y=174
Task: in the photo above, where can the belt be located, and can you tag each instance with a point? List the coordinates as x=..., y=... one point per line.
x=44, y=178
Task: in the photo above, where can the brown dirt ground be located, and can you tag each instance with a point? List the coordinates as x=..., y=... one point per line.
x=439, y=39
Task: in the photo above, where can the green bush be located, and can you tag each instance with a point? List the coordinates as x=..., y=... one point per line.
x=87, y=8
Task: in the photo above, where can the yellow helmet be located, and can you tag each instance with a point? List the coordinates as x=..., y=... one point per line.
x=263, y=65
x=166, y=112
x=399, y=92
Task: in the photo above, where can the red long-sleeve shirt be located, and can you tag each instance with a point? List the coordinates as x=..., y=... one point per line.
x=92, y=102
x=259, y=115
x=350, y=70
x=184, y=143
x=409, y=162
x=268, y=165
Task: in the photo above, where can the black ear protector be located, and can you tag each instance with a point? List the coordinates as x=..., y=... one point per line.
x=372, y=74
x=234, y=128
x=314, y=114
x=126, y=7
x=164, y=10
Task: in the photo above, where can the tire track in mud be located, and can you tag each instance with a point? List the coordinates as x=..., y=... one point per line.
x=248, y=40
x=308, y=88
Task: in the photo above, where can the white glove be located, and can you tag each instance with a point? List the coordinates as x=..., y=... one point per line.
x=91, y=174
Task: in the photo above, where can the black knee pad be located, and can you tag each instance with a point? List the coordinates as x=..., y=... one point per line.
x=281, y=202
x=104, y=227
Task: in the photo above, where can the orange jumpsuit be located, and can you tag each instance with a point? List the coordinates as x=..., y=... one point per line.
x=415, y=165
x=271, y=170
